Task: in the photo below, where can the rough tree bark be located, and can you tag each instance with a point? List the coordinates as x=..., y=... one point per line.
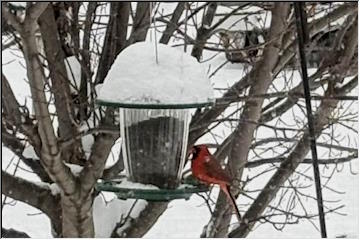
x=76, y=193
x=34, y=195
x=141, y=23
x=115, y=37
x=203, y=33
x=261, y=79
x=86, y=73
x=60, y=86
x=173, y=24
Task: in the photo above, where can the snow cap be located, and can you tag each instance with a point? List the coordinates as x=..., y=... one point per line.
x=135, y=80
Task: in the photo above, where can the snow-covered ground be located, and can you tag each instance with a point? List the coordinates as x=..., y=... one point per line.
x=185, y=218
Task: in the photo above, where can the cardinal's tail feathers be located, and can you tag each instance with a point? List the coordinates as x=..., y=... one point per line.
x=226, y=189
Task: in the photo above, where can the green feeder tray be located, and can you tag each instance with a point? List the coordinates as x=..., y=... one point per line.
x=184, y=191
x=152, y=105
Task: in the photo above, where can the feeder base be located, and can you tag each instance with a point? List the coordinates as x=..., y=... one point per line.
x=184, y=191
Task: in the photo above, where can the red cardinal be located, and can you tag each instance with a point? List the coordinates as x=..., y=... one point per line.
x=207, y=169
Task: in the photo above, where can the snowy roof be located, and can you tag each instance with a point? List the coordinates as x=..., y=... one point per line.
x=136, y=80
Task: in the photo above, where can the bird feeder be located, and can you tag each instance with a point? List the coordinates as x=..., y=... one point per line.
x=154, y=98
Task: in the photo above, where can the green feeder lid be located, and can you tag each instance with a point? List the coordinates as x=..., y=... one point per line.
x=139, y=191
x=136, y=80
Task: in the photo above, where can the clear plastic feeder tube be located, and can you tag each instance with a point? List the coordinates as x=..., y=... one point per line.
x=154, y=144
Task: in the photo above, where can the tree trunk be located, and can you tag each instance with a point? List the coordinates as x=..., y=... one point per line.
x=115, y=37
x=77, y=217
x=243, y=135
x=204, y=32
x=60, y=86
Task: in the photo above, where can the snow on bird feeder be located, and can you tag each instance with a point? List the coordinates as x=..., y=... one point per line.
x=155, y=99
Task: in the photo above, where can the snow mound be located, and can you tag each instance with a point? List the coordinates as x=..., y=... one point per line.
x=136, y=78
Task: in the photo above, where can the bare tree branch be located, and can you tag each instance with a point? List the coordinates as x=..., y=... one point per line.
x=148, y=217
x=59, y=84
x=86, y=73
x=286, y=169
x=75, y=25
x=8, y=44
x=260, y=162
x=14, y=144
x=34, y=195
x=141, y=23
x=204, y=32
x=12, y=233
x=205, y=117
x=115, y=38
x=35, y=10
x=10, y=17
x=94, y=168
x=173, y=24
x=320, y=144
x=288, y=166
x=19, y=119
x=243, y=135
x=114, y=170
x=50, y=155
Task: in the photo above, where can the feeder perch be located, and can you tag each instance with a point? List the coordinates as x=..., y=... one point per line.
x=154, y=101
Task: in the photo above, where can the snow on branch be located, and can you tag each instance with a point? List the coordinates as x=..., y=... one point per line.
x=38, y=195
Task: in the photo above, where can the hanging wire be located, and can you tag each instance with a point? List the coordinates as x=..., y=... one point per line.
x=150, y=20
x=153, y=22
x=301, y=25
